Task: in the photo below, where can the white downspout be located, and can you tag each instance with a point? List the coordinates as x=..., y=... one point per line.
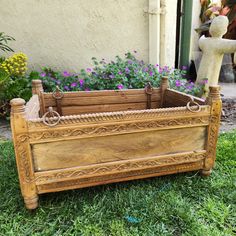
x=156, y=11
x=154, y=31
x=163, y=34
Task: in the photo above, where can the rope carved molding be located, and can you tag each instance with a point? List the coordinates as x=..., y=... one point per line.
x=116, y=128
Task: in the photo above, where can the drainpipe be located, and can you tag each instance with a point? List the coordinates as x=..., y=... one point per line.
x=154, y=31
x=163, y=33
x=156, y=11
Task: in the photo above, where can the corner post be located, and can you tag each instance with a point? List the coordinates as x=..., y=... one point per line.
x=37, y=89
x=214, y=100
x=23, y=153
x=164, y=86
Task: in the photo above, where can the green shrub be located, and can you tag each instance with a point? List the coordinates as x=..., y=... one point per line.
x=13, y=83
x=127, y=73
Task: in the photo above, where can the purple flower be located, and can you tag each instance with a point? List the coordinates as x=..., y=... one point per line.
x=66, y=88
x=66, y=74
x=146, y=69
x=87, y=89
x=189, y=87
x=130, y=62
x=58, y=82
x=120, y=86
x=135, y=71
x=184, y=67
x=127, y=71
x=120, y=73
x=81, y=82
x=74, y=84
x=111, y=76
x=160, y=70
x=43, y=74
x=177, y=83
x=166, y=69
x=151, y=73
x=89, y=69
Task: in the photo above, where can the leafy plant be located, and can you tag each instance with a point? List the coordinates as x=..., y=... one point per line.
x=12, y=82
x=122, y=73
x=4, y=39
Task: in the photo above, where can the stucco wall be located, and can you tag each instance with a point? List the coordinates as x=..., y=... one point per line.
x=66, y=34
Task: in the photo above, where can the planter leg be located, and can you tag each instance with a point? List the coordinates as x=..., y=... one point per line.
x=31, y=202
x=206, y=173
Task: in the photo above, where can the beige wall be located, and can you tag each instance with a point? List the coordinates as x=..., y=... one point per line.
x=65, y=34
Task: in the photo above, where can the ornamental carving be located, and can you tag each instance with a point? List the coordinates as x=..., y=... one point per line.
x=115, y=128
x=23, y=158
x=68, y=183
x=109, y=168
x=121, y=116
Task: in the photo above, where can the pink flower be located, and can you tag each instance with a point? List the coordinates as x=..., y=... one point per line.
x=127, y=70
x=89, y=69
x=120, y=86
x=66, y=74
x=151, y=73
x=177, y=83
x=74, y=84
x=43, y=74
x=81, y=82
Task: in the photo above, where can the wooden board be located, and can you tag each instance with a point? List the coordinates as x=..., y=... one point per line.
x=65, y=154
x=174, y=98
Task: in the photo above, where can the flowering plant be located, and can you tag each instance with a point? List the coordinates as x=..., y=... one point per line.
x=122, y=73
x=13, y=83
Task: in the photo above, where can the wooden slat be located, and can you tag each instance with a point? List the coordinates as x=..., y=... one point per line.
x=102, y=93
x=100, y=100
x=174, y=98
x=32, y=107
x=74, y=110
x=87, y=151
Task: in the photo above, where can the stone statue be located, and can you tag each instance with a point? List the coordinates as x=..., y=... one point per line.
x=213, y=49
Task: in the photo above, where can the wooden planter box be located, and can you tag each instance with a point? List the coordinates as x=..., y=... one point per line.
x=111, y=136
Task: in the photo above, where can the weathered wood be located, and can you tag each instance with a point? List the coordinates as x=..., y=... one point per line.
x=164, y=87
x=65, y=154
x=32, y=108
x=37, y=89
x=71, y=110
x=23, y=153
x=117, y=145
x=174, y=98
x=214, y=100
x=117, y=99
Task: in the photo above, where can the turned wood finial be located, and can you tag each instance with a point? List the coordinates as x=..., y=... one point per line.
x=214, y=92
x=17, y=105
x=37, y=86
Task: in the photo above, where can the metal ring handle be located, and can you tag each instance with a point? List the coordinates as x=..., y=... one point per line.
x=51, y=122
x=57, y=93
x=193, y=102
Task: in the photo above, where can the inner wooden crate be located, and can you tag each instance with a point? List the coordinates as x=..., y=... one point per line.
x=82, y=102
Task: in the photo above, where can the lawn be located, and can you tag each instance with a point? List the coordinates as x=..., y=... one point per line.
x=183, y=204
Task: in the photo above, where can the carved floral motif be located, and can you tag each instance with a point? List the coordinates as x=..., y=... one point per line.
x=115, y=128
x=109, y=168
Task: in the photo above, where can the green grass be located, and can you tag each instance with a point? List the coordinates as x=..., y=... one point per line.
x=183, y=204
